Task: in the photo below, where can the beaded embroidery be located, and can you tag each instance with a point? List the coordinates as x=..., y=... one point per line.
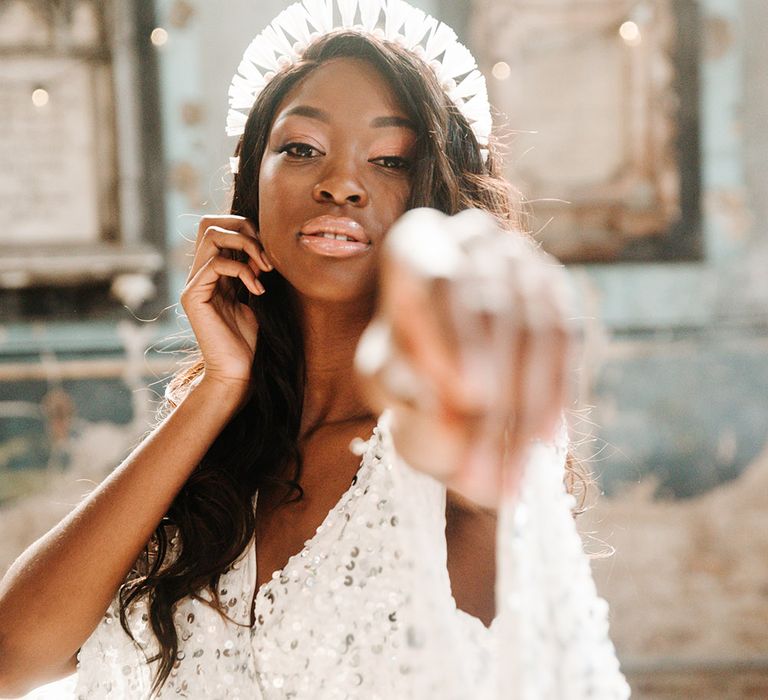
x=365, y=610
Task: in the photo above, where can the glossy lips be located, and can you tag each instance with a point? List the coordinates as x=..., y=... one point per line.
x=315, y=236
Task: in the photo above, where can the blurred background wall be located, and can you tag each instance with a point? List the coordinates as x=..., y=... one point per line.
x=636, y=129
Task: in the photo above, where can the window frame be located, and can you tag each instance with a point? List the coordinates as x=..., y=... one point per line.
x=70, y=283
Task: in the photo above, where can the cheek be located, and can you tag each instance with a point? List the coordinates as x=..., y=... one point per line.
x=394, y=202
x=279, y=188
x=269, y=211
x=273, y=194
x=267, y=185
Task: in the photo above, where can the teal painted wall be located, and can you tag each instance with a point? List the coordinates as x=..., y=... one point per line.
x=636, y=316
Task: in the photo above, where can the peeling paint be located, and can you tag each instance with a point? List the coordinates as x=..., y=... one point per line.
x=192, y=113
x=688, y=579
x=731, y=209
x=185, y=178
x=718, y=37
x=181, y=13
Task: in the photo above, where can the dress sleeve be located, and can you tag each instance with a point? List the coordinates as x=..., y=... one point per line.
x=549, y=638
x=551, y=629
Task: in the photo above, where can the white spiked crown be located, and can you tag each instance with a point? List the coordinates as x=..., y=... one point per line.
x=287, y=37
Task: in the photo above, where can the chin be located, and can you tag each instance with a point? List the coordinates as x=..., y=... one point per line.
x=336, y=291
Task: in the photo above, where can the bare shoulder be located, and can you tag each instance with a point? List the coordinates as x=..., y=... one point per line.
x=470, y=535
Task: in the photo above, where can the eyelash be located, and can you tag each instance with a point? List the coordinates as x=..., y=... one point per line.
x=291, y=148
x=402, y=163
x=295, y=145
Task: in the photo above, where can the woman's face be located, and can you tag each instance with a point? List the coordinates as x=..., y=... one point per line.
x=334, y=177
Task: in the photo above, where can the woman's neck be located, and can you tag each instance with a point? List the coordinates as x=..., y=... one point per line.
x=332, y=393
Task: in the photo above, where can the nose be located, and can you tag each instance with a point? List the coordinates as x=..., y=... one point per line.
x=340, y=185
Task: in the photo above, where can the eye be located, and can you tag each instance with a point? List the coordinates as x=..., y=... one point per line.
x=392, y=162
x=299, y=150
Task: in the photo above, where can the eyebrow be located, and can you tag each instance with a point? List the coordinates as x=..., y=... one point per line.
x=323, y=116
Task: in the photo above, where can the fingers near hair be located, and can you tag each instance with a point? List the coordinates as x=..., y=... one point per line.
x=231, y=233
x=230, y=222
x=203, y=285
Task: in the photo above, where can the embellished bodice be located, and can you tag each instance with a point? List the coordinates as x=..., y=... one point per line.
x=364, y=610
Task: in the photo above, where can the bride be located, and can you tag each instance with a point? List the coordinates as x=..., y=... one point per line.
x=369, y=288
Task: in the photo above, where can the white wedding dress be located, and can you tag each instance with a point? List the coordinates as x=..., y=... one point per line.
x=365, y=609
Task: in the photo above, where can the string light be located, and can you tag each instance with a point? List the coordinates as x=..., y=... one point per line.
x=158, y=37
x=40, y=97
x=501, y=70
x=630, y=33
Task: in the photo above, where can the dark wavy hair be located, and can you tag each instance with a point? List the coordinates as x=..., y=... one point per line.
x=212, y=516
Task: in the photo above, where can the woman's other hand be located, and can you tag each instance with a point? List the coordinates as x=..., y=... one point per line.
x=470, y=349
x=225, y=327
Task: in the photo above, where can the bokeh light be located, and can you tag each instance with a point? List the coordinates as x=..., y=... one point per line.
x=501, y=70
x=159, y=37
x=40, y=97
x=630, y=32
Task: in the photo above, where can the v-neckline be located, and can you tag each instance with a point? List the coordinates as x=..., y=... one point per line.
x=259, y=591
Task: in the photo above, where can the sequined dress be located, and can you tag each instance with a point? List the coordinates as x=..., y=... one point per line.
x=365, y=609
